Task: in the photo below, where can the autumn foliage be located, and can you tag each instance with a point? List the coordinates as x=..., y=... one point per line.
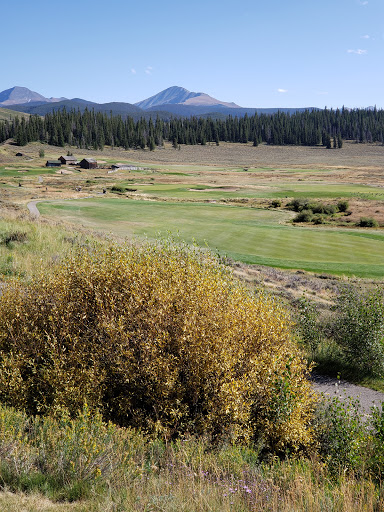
x=159, y=337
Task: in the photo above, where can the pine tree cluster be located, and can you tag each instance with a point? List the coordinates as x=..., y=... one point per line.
x=95, y=129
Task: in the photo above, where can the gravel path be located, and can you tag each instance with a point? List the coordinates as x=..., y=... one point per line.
x=33, y=208
x=331, y=387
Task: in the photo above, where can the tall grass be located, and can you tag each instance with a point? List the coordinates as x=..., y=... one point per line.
x=26, y=244
x=112, y=468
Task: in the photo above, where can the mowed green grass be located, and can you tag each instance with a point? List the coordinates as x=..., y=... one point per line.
x=271, y=190
x=19, y=171
x=246, y=234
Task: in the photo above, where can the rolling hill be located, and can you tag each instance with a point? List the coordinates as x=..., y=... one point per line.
x=7, y=114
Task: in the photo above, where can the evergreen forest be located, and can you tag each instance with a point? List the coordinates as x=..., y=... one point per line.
x=95, y=129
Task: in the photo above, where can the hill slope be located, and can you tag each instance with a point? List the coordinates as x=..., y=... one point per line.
x=7, y=114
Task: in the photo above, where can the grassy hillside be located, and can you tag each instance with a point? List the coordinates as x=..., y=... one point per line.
x=7, y=114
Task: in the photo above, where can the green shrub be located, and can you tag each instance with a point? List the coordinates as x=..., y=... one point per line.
x=276, y=203
x=317, y=207
x=377, y=434
x=308, y=325
x=368, y=222
x=343, y=206
x=341, y=434
x=304, y=216
x=118, y=188
x=158, y=337
x=318, y=219
x=359, y=329
x=297, y=205
x=330, y=209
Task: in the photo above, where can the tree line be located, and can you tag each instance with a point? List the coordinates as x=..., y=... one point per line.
x=91, y=129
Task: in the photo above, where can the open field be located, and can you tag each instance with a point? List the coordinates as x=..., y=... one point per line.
x=220, y=196
x=251, y=235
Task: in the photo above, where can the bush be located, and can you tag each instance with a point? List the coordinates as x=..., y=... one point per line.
x=343, y=206
x=118, y=188
x=160, y=338
x=359, y=329
x=308, y=325
x=342, y=435
x=368, y=222
x=276, y=203
x=330, y=209
x=298, y=204
x=304, y=216
x=318, y=219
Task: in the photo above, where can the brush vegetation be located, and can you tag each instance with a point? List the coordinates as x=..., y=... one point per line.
x=158, y=337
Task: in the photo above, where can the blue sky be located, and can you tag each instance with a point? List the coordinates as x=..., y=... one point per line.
x=270, y=53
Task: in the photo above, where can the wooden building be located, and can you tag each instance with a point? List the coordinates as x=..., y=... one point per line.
x=88, y=163
x=53, y=163
x=68, y=160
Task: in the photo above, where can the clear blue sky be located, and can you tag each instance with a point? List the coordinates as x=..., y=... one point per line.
x=269, y=53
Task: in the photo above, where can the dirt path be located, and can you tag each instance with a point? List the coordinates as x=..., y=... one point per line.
x=331, y=387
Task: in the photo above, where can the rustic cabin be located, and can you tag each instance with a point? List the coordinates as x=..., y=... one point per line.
x=53, y=163
x=88, y=163
x=68, y=160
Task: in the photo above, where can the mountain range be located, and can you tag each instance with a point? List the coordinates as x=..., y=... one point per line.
x=22, y=95
x=174, y=101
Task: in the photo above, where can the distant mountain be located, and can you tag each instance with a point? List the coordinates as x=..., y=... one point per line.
x=174, y=101
x=180, y=96
x=21, y=95
x=40, y=109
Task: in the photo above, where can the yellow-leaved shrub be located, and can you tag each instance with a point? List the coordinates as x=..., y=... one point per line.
x=159, y=337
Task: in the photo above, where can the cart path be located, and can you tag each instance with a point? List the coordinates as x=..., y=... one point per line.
x=330, y=387
x=33, y=208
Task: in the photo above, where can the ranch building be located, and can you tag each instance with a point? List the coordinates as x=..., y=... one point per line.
x=88, y=163
x=68, y=160
x=53, y=163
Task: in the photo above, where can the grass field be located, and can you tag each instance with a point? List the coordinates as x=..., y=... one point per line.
x=270, y=191
x=220, y=196
x=247, y=234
